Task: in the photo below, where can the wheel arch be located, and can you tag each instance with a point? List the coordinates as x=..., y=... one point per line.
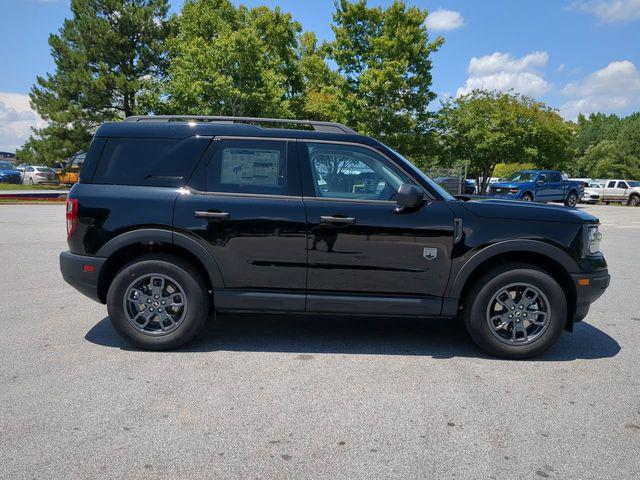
x=129, y=245
x=551, y=259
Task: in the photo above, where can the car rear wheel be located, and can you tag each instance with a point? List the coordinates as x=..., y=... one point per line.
x=158, y=302
x=571, y=200
x=515, y=311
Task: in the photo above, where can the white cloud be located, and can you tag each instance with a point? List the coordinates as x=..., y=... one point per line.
x=442, y=20
x=611, y=11
x=611, y=89
x=503, y=62
x=501, y=71
x=16, y=120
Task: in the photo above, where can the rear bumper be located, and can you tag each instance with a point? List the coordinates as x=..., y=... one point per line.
x=595, y=285
x=82, y=273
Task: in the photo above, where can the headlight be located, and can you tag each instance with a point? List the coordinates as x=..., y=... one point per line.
x=592, y=240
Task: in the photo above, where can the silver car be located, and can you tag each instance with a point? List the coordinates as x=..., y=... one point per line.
x=34, y=174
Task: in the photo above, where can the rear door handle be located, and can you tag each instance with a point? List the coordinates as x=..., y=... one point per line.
x=343, y=220
x=211, y=215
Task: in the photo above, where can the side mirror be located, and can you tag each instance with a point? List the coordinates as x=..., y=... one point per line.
x=409, y=196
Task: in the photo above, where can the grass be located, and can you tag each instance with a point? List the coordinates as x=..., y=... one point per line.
x=13, y=186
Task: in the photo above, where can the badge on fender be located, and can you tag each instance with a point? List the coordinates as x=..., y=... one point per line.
x=430, y=253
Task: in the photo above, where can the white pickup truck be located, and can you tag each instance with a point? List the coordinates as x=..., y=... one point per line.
x=623, y=191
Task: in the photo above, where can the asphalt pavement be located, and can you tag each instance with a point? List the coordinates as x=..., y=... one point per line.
x=276, y=397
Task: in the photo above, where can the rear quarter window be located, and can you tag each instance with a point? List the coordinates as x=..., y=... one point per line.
x=149, y=161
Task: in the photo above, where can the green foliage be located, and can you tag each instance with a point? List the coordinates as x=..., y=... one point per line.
x=593, y=129
x=608, y=159
x=383, y=56
x=104, y=56
x=607, y=146
x=487, y=128
x=228, y=60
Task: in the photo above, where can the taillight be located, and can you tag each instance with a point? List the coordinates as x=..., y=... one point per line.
x=72, y=216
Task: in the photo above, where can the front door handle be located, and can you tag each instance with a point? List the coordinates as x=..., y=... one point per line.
x=342, y=220
x=211, y=215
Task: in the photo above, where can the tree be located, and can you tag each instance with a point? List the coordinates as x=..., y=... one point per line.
x=608, y=159
x=228, y=60
x=383, y=56
x=629, y=134
x=104, y=56
x=487, y=128
x=593, y=129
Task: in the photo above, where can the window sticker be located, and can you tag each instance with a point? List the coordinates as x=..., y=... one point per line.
x=242, y=166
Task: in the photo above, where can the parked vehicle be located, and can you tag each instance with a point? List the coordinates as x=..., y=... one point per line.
x=9, y=173
x=58, y=167
x=70, y=173
x=620, y=191
x=176, y=217
x=538, y=186
x=592, y=192
x=35, y=174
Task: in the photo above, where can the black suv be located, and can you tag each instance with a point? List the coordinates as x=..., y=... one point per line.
x=177, y=217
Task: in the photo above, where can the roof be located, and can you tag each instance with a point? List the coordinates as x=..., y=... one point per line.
x=185, y=129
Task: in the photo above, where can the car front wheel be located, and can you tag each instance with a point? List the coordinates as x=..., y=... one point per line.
x=515, y=311
x=527, y=197
x=158, y=302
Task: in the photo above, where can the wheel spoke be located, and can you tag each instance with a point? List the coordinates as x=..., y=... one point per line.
x=504, y=299
x=526, y=300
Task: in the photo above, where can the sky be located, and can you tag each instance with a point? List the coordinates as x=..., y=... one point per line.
x=575, y=55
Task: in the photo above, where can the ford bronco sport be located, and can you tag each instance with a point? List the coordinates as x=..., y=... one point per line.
x=177, y=217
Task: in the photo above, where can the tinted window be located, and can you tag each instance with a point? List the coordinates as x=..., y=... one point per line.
x=622, y=185
x=554, y=177
x=611, y=185
x=521, y=177
x=341, y=171
x=248, y=166
x=149, y=161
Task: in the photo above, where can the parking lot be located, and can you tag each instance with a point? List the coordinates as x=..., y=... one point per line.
x=275, y=397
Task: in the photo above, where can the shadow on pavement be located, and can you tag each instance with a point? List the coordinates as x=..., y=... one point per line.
x=348, y=335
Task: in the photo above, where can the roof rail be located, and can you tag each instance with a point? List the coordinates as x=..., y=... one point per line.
x=318, y=126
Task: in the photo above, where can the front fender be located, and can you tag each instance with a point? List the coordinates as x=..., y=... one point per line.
x=458, y=281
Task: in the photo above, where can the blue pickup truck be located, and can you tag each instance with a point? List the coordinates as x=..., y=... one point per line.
x=538, y=186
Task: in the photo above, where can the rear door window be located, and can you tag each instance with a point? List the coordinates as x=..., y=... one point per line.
x=554, y=177
x=149, y=161
x=249, y=166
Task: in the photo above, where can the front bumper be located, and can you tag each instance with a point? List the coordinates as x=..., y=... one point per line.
x=589, y=287
x=505, y=196
x=82, y=273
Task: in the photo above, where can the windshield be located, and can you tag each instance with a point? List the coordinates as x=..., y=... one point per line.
x=521, y=177
x=633, y=183
x=44, y=169
x=441, y=191
x=7, y=166
x=595, y=185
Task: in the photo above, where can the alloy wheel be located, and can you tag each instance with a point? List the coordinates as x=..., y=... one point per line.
x=518, y=314
x=155, y=304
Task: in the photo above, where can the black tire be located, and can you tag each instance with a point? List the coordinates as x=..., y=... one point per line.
x=480, y=296
x=634, y=201
x=571, y=200
x=191, y=282
x=527, y=197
